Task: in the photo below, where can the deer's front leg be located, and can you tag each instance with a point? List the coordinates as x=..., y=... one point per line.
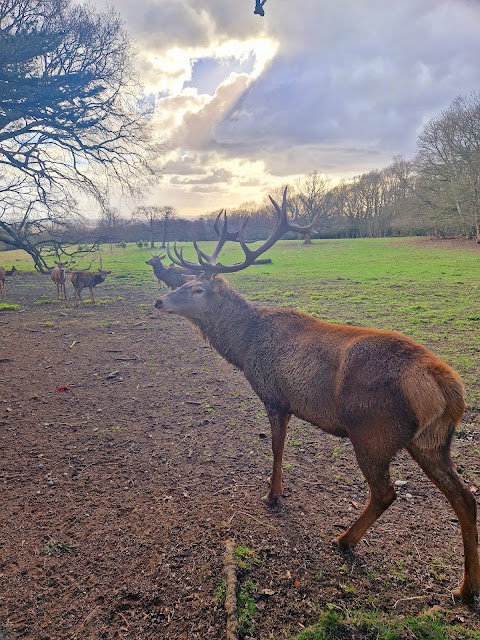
x=278, y=423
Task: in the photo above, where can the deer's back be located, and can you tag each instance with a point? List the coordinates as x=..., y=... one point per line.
x=82, y=279
x=338, y=376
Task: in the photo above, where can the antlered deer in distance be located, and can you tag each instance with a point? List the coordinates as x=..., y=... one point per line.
x=83, y=279
x=172, y=276
x=58, y=276
x=380, y=388
x=3, y=274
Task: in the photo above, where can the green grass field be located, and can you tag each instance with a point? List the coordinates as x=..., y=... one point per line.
x=427, y=291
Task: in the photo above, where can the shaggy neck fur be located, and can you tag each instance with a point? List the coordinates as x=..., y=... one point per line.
x=228, y=322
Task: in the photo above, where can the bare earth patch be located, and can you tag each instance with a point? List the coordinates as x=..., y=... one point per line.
x=119, y=492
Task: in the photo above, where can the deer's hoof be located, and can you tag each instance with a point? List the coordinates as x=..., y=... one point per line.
x=343, y=544
x=271, y=500
x=465, y=594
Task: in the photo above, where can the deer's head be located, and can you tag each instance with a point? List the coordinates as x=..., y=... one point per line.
x=156, y=261
x=196, y=297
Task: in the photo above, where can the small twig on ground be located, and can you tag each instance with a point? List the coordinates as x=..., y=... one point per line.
x=73, y=344
x=231, y=595
x=407, y=599
x=124, y=619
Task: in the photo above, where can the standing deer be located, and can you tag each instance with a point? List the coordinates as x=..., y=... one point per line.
x=59, y=278
x=3, y=274
x=173, y=276
x=90, y=279
x=380, y=388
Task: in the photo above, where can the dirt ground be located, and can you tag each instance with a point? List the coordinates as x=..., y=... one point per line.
x=118, y=494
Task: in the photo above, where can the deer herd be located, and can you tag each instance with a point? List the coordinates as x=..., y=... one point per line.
x=379, y=388
x=172, y=276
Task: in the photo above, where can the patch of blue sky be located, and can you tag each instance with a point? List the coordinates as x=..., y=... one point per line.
x=209, y=73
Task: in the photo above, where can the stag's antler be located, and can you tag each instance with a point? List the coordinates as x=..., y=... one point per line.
x=209, y=264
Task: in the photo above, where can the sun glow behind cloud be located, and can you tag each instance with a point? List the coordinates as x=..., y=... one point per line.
x=188, y=113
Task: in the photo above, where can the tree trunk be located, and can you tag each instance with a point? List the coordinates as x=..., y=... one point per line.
x=308, y=239
x=152, y=239
x=164, y=240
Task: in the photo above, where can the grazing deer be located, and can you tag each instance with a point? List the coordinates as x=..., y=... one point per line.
x=3, y=274
x=380, y=388
x=172, y=276
x=90, y=279
x=59, y=278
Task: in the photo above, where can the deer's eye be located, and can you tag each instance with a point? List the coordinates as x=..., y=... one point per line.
x=197, y=290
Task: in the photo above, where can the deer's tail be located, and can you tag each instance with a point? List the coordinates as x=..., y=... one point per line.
x=436, y=395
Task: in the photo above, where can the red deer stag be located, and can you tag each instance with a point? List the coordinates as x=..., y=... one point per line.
x=3, y=274
x=380, y=388
x=59, y=278
x=173, y=276
x=90, y=279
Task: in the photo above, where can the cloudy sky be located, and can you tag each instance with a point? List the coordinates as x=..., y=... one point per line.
x=339, y=86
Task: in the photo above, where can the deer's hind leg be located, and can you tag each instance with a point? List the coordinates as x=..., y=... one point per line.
x=374, y=455
x=438, y=466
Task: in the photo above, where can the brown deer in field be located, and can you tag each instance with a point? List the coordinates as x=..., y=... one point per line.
x=90, y=279
x=172, y=276
x=3, y=274
x=58, y=276
x=379, y=388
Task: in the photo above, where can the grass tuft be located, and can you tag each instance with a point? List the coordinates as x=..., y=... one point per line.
x=373, y=625
x=7, y=306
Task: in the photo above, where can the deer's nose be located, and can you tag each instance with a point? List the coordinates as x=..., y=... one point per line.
x=158, y=304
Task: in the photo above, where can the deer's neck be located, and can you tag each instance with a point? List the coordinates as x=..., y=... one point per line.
x=229, y=325
x=158, y=270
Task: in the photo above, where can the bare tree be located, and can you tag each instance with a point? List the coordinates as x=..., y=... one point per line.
x=448, y=161
x=148, y=216
x=158, y=221
x=311, y=192
x=70, y=117
x=167, y=215
x=108, y=229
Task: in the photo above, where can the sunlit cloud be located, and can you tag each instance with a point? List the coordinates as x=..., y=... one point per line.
x=334, y=86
